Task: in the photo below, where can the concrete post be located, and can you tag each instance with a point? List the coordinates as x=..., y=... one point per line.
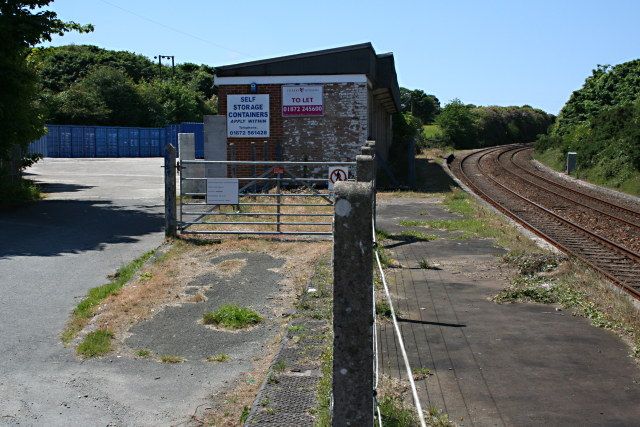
x=366, y=150
x=187, y=149
x=411, y=160
x=571, y=161
x=364, y=168
x=352, y=302
x=170, y=228
x=372, y=147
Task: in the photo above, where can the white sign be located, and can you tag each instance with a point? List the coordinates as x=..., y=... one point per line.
x=222, y=191
x=302, y=101
x=248, y=116
x=339, y=173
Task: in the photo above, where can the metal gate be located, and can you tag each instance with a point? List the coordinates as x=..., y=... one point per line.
x=270, y=198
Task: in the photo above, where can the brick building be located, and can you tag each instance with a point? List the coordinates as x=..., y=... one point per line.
x=319, y=106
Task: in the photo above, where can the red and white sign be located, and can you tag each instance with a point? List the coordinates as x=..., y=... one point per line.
x=302, y=100
x=337, y=173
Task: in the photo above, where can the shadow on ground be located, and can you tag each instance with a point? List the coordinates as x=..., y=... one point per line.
x=54, y=227
x=431, y=178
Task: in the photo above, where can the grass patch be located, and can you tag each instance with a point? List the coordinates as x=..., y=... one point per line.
x=323, y=409
x=437, y=418
x=421, y=373
x=232, y=316
x=245, y=414
x=395, y=413
x=294, y=329
x=383, y=309
x=279, y=366
x=220, y=358
x=85, y=309
x=418, y=235
x=96, y=343
x=143, y=352
x=476, y=222
x=169, y=358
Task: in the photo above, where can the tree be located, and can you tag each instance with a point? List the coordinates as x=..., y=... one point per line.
x=458, y=124
x=23, y=24
x=423, y=106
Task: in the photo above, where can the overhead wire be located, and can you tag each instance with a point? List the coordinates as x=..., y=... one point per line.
x=176, y=30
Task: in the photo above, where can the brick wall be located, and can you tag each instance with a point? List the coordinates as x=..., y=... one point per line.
x=336, y=136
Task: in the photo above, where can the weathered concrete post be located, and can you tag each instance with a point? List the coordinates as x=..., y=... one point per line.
x=352, y=302
x=364, y=168
x=170, y=228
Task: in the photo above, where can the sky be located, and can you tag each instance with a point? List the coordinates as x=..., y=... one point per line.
x=483, y=52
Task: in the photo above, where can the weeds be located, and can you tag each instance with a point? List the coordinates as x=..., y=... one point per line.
x=280, y=366
x=232, y=316
x=421, y=373
x=96, y=343
x=168, y=358
x=220, y=358
x=245, y=414
x=143, y=352
x=383, y=309
x=437, y=418
x=85, y=309
x=395, y=413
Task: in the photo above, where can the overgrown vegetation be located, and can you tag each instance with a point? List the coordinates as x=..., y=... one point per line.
x=96, y=343
x=82, y=84
x=601, y=122
x=85, y=309
x=470, y=126
x=552, y=279
x=232, y=316
x=23, y=24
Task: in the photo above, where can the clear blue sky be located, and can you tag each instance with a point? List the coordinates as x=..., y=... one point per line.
x=502, y=52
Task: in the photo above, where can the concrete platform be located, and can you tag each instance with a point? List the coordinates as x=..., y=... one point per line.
x=511, y=364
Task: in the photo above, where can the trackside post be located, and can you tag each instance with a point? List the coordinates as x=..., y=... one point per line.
x=352, y=301
x=171, y=222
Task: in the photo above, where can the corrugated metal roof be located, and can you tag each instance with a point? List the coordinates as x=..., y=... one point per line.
x=354, y=59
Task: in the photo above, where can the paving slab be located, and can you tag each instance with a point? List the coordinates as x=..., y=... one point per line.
x=509, y=364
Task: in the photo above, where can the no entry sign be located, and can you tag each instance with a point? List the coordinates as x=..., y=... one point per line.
x=339, y=173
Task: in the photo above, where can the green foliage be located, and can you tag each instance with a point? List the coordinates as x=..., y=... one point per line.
x=421, y=105
x=232, y=316
x=96, y=343
x=395, y=413
x=18, y=192
x=458, y=124
x=23, y=24
x=89, y=85
x=601, y=122
x=468, y=126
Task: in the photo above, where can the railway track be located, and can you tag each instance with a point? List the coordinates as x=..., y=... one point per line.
x=602, y=233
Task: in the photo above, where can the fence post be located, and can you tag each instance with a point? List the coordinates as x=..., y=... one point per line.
x=411, y=160
x=170, y=191
x=364, y=168
x=352, y=302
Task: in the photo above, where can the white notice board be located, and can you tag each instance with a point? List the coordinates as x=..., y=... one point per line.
x=222, y=191
x=247, y=116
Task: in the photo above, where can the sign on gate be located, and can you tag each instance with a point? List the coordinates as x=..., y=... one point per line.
x=340, y=173
x=222, y=191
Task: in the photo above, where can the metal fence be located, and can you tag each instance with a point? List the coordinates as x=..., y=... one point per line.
x=113, y=141
x=273, y=197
